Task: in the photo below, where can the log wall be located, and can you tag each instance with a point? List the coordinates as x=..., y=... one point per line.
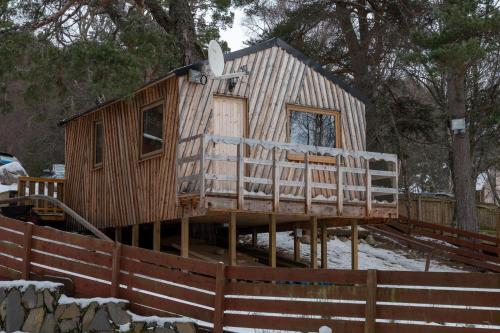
x=125, y=190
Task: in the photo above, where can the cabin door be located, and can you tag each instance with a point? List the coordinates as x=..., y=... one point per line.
x=229, y=119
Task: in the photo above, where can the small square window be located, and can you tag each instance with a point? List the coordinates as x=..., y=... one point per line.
x=313, y=129
x=98, y=143
x=152, y=130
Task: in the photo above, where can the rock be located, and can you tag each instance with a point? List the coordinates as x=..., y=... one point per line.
x=68, y=325
x=118, y=315
x=3, y=310
x=138, y=327
x=39, y=300
x=49, y=300
x=49, y=324
x=34, y=322
x=3, y=294
x=182, y=327
x=14, y=315
x=70, y=312
x=60, y=310
x=88, y=316
x=362, y=241
x=370, y=240
x=29, y=298
x=100, y=322
x=163, y=330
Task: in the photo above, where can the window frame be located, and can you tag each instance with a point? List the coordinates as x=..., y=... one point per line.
x=143, y=109
x=338, y=134
x=95, y=123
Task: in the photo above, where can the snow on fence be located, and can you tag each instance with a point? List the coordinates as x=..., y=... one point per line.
x=254, y=297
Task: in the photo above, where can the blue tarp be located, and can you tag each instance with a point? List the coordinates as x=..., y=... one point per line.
x=6, y=158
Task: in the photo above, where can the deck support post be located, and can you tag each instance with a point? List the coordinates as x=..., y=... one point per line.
x=157, y=236
x=118, y=234
x=185, y=237
x=314, y=242
x=135, y=235
x=272, y=240
x=232, y=239
x=354, y=245
x=324, y=246
x=254, y=238
x=296, y=244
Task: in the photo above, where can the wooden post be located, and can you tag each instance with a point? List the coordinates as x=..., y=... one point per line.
x=232, y=239
x=498, y=230
x=368, y=180
x=428, y=261
x=307, y=183
x=185, y=237
x=419, y=208
x=314, y=242
x=324, y=246
x=276, y=182
x=340, y=187
x=296, y=244
x=254, y=238
x=157, y=236
x=118, y=234
x=135, y=235
x=371, y=301
x=28, y=232
x=115, y=273
x=240, y=187
x=272, y=240
x=202, y=172
x=220, y=282
x=354, y=245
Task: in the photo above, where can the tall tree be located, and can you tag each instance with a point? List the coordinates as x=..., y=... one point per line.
x=461, y=34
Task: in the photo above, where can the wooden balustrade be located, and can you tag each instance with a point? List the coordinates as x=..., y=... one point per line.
x=51, y=187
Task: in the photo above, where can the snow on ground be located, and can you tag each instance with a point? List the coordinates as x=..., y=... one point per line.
x=84, y=302
x=370, y=257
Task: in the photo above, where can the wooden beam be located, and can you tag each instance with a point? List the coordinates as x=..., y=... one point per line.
x=368, y=194
x=296, y=244
x=240, y=164
x=324, y=246
x=340, y=187
x=371, y=301
x=307, y=184
x=276, y=182
x=157, y=236
x=185, y=237
x=254, y=237
x=135, y=235
x=314, y=242
x=354, y=245
x=118, y=234
x=272, y=240
x=232, y=239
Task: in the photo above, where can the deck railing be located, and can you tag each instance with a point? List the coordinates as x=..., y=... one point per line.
x=250, y=168
x=51, y=187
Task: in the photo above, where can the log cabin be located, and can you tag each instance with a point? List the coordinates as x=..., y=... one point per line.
x=281, y=148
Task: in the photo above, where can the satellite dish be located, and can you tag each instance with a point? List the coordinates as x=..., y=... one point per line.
x=215, y=58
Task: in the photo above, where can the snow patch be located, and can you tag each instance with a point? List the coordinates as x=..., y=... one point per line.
x=22, y=285
x=84, y=302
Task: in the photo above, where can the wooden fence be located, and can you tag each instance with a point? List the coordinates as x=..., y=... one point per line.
x=254, y=297
x=440, y=211
x=51, y=187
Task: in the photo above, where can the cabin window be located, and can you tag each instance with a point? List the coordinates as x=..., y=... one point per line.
x=313, y=127
x=152, y=130
x=98, y=143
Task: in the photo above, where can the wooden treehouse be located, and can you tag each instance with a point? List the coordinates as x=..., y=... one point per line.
x=281, y=147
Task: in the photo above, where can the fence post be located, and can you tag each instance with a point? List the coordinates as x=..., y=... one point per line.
x=115, y=272
x=371, y=301
x=220, y=281
x=28, y=232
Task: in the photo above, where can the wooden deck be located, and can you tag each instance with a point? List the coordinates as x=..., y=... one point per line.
x=258, y=178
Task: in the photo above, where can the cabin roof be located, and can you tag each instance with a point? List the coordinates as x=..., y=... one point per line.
x=234, y=55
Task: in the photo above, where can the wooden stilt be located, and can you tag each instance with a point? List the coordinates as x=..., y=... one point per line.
x=135, y=235
x=354, y=245
x=296, y=245
x=157, y=236
x=324, y=246
x=232, y=239
x=185, y=237
x=254, y=237
x=314, y=242
x=118, y=234
x=272, y=240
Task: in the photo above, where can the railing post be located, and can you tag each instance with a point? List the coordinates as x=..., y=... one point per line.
x=276, y=182
x=371, y=301
x=307, y=183
x=240, y=174
x=202, y=171
x=368, y=180
x=220, y=282
x=28, y=232
x=340, y=187
x=115, y=270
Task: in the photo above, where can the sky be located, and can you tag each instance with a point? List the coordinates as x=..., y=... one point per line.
x=236, y=35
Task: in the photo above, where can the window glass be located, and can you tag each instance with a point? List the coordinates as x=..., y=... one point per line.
x=152, y=129
x=99, y=140
x=311, y=128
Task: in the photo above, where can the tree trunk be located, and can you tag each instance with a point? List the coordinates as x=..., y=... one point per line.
x=463, y=176
x=185, y=32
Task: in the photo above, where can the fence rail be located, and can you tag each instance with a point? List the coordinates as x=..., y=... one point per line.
x=254, y=297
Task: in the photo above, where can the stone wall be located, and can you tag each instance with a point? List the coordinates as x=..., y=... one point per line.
x=40, y=307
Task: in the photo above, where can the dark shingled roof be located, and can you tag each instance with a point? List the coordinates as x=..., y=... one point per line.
x=238, y=54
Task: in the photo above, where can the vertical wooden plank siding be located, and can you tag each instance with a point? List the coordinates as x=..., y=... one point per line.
x=125, y=190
